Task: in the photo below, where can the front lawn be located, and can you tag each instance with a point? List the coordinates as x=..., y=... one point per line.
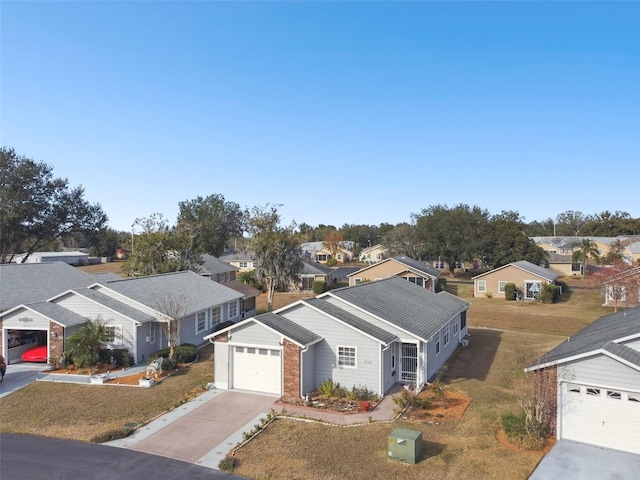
x=96, y=412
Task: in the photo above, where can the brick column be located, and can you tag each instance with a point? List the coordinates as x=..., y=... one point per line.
x=292, y=357
x=546, y=391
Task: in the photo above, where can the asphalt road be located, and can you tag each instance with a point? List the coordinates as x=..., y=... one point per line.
x=31, y=457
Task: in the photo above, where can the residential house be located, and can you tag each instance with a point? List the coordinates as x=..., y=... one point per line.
x=563, y=265
x=527, y=277
x=589, y=385
x=312, y=272
x=57, y=299
x=623, y=289
x=225, y=273
x=373, y=335
x=241, y=259
x=373, y=254
x=405, y=267
x=316, y=252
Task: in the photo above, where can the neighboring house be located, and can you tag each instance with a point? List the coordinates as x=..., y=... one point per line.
x=404, y=267
x=312, y=272
x=632, y=253
x=72, y=258
x=563, y=265
x=373, y=254
x=241, y=259
x=223, y=272
x=56, y=301
x=527, y=277
x=315, y=252
x=376, y=334
x=620, y=283
x=589, y=385
x=567, y=245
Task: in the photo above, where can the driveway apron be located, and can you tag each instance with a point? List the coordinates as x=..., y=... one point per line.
x=197, y=432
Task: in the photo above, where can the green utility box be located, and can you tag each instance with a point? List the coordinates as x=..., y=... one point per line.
x=405, y=445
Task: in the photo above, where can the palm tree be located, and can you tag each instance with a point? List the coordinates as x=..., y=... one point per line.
x=84, y=345
x=586, y=249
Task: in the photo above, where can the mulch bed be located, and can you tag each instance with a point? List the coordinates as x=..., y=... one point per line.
x=452, y=407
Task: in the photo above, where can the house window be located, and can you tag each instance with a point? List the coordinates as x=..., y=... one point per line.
x=112, y=333
x=593, y=391
x=358, y=280
x=242, y=264
x=201, y=322
x=347, y=356
x=573, y=388
x=633, y=397
x=482, y=286
x=463, y=320
x=216, y=315
x=393, y=361
x=501, y=285
x=576, y=267
x=613, y=394
x=455, y=328
x=233, y=309
x=438, y=344
x=227, y=276
x=532, y=290
x=445, y=335
x=152, y=332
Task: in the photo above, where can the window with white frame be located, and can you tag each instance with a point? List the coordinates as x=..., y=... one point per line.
x=445, y=335
x=357, y=280
x=455, y=328
x=233, y=309
x=438, y=344
x=152, y=332
x=216, y=315
x=227, y=276
x=113, y=334
x=501, y=286
x=482, y=285
x=347, y=356
x=201, y=321
x=242, y=264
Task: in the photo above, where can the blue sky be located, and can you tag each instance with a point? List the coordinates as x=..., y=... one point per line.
x=342, y=112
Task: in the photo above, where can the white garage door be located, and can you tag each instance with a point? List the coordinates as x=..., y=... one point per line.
x=605, y=417
x=257, y=369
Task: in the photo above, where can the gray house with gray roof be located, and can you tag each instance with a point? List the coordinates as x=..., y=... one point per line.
x=589, y=385
x=43, y=304
x=375, y=334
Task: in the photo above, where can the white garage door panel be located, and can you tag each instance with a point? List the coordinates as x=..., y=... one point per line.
x=257, y=369
x=601, y=420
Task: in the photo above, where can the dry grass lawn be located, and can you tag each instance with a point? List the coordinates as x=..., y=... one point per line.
x=87, y=412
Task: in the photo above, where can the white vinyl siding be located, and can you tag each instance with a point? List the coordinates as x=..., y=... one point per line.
x=255, y=334
x=601, y=371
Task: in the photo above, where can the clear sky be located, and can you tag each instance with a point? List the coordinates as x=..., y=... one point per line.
x=342, y=112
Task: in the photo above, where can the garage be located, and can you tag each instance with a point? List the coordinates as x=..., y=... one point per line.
x=605, y=417
x=257, y=369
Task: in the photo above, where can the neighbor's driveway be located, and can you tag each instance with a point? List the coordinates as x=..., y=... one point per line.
x=570, y=460
x=19, y=375
x=192, y=432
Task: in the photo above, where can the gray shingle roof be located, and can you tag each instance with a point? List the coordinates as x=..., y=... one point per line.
x=313, y=268
x=200, y=292
x=595, y=336
x=58, y=314
x=214, y=266
x=352, y=320
x=289, y=329
x=35, y=282
x=244, y=289
x=401, y=303
x=624, y=352
x=416, y=266
x=115, y=305
x=527, y=267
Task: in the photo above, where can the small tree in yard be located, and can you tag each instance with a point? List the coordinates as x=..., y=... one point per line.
x=332, y=243
x=173, y=309
x=84, y=345
x=275, y=249
x=620, y=282
x=587, y=249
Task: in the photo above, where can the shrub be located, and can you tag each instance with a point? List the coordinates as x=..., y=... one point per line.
x=514, y=425
x=364, y=405
x=319, y=287
x=361, y=393
x=529, y=436
x=119, y=356
x=332, y=262
x=115, y=434
x=510, y=291
x=438, y=389
x=227, y=464
x=185, y=353
x=488, y=294
x=329, y=388
x=406, y=399
x=550, y=293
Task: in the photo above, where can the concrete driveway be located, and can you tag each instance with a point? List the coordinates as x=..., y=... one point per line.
x=570, y=460
x=19, y=375
x=203, y=430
